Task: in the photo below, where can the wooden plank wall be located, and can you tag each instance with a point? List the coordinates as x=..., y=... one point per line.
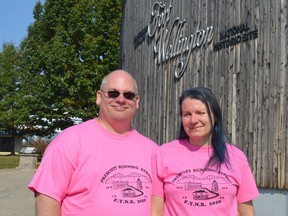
x=249, y=79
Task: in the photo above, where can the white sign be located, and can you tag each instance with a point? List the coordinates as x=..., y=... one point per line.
x=170, y=43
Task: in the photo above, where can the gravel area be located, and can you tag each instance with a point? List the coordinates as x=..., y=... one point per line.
x=15, y=198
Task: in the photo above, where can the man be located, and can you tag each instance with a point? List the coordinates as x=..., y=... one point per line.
x=102, y=166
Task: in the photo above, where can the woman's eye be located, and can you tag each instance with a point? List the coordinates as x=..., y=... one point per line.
x=186, y=114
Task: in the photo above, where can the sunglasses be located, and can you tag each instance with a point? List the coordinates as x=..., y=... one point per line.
x=115, y=94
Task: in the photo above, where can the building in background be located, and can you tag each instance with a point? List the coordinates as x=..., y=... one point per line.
x=238, y=49
x=8, y=143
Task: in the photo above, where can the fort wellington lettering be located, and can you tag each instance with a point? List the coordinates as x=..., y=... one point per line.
x=170, y=44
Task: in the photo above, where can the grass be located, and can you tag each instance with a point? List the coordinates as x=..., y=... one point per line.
x=9, y=161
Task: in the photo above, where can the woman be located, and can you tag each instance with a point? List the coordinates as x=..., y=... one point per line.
x=199, y=173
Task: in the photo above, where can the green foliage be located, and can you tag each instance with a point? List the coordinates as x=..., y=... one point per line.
x=69, y=48
x=9, y=87
x=12, y=113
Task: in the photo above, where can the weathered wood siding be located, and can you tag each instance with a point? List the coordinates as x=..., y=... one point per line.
x=249, y=78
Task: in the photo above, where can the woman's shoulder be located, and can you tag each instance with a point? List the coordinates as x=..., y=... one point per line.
x=235, y=151
x=172, y=144
x=176, y=145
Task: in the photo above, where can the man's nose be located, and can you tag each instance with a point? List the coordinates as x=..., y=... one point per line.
x=121, y=98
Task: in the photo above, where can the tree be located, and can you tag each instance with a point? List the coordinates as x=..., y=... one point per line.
x=12, y=114
x=70, y=47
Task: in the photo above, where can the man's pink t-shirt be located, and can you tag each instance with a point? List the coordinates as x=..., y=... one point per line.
x=188, y=189
x=91, y=171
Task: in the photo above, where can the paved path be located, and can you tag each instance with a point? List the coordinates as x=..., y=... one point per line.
x=15, y=198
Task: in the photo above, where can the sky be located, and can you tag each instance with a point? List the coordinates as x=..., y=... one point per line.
x=15, y=17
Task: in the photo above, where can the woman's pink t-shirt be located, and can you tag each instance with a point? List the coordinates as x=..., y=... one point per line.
x=188, y=189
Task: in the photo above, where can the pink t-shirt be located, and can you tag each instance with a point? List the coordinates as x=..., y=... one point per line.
x=187, y=190
x=91, y=171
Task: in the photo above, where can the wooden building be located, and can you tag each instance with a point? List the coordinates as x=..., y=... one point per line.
x=238, y=49
x=9, y=143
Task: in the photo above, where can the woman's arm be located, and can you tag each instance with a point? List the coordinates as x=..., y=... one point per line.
x=246, y=209
x=47, y=206
x=157, y=206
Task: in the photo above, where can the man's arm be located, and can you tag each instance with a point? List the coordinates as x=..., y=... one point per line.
x=157, y=206
x=246, y=209
x=47, y=206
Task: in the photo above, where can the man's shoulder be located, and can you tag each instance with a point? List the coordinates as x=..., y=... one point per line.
x=76, y=130
x=81, y=125
x=143, y=138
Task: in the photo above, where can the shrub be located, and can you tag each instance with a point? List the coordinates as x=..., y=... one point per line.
x=39, y=143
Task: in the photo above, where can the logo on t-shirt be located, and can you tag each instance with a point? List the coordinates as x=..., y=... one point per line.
x=128, y=184
x=203, y=187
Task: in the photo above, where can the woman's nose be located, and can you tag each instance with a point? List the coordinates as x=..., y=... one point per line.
x=193, y=119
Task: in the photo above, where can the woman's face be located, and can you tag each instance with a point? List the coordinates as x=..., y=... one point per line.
x=196, y=121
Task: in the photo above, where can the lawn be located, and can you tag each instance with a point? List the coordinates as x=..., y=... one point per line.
x=9, y=161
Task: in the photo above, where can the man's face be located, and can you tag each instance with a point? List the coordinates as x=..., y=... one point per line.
x=122, y=108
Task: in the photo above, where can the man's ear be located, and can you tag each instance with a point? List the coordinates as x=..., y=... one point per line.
x=137, y=100
x=98, y=97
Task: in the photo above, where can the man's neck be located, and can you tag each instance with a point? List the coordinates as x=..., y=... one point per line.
x=114, y=128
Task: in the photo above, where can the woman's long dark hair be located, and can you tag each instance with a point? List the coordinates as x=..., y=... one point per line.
x=218, y=140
